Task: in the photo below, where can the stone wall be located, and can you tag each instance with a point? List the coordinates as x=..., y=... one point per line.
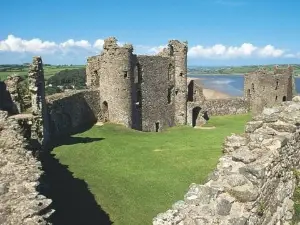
x=6, y=102
x=20, y=201
x=254, y=181
x=230, y=106
x=72, y=111
x=157, y=92
x=201, y=110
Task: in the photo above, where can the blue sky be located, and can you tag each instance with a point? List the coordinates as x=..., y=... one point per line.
x=219, y=32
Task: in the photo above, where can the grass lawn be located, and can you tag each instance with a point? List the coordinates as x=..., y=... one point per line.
x=135, y=175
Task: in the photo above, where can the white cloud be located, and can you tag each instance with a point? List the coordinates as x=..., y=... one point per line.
x=270, y=51
x=15, y=44
x=293, y=55
x=71, y=43
x=220, y=51
x=157, y=49
x=99, y=44
x=83, y=48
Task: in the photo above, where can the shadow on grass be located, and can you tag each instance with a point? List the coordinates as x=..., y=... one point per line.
x=73, y=202
x=74, y=140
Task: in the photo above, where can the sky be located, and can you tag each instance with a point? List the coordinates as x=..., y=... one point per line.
x=218, y=32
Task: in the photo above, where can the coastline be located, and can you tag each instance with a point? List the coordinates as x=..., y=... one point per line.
x=210, y=93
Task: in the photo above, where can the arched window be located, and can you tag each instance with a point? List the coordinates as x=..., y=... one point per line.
x=137, y=73
x=191, y=91
x=171, y=50
x=171, y=71
x=277, y=83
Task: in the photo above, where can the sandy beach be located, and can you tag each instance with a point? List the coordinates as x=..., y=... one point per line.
x=209, y=93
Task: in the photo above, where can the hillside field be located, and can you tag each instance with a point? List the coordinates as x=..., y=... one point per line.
x=49, y=70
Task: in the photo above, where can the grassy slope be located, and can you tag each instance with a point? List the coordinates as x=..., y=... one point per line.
x=48, y=71
x=135, y=175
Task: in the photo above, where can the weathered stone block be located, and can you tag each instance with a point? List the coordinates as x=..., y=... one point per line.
x=244, y=155
x=252, y=126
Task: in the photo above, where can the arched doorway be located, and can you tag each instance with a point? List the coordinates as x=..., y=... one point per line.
x=196, y=112
x=284, y=99
x=105, y=114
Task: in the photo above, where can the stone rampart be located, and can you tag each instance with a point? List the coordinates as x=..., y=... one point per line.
x=254, y=181
x=72, y=111
x=20, y=202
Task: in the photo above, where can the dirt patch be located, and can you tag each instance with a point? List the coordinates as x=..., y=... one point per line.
x=205, y=128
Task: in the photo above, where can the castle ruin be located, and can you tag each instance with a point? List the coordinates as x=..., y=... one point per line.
x=143, y=92
x=265, y=88
x=151, y=93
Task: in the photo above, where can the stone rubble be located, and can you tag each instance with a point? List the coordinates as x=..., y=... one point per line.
x=254, y=181
x=20, y=202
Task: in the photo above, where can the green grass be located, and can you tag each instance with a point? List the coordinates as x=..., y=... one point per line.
x=296, y=198
x=49, y=71
x=135, y=175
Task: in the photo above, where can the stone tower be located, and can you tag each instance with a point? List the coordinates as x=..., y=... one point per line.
x=265, y=88
x=178, y=51
x=112, y=73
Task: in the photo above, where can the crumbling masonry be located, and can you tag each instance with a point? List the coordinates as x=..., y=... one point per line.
x=268, y=88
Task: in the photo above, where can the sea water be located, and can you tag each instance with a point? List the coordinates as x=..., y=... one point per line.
x=229, y=84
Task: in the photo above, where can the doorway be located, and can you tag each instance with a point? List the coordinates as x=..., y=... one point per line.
x=196, y=112
x=105, y=114
x=156, y=126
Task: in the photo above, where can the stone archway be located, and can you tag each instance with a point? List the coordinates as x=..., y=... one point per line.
x=105, y=112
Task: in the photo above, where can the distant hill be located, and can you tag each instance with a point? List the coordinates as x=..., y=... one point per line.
x=194, y=70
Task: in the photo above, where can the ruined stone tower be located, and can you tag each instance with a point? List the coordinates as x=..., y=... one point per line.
x=265, y=88
x=112, y=73
x=143, y=92
x=178, y=51
x=40, y=126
